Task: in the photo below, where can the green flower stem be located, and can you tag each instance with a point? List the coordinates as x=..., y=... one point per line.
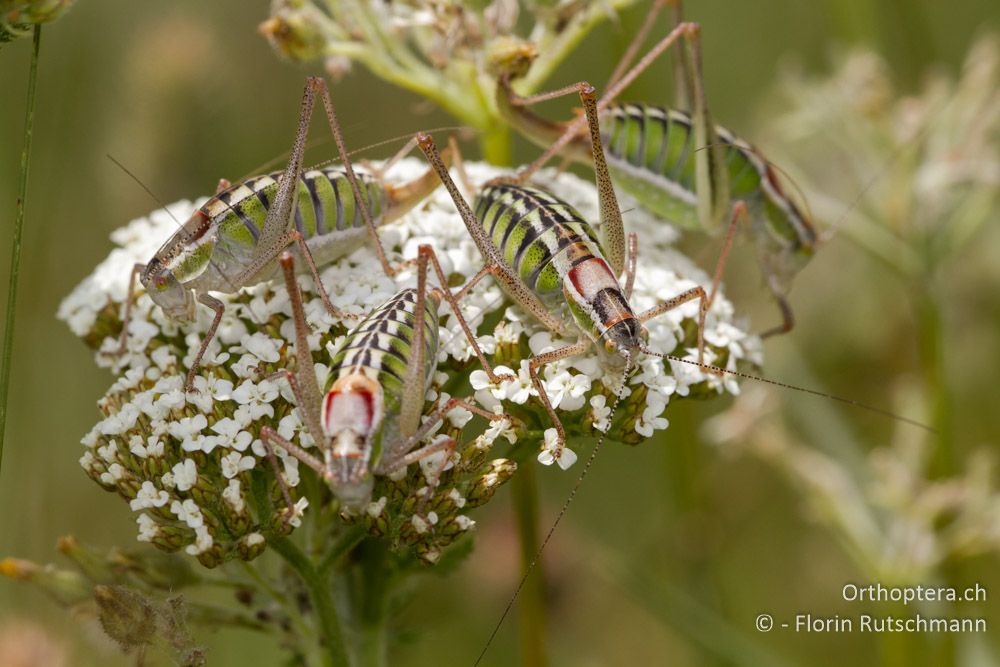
x=495, y=146
x=377, y=581
x=532, y=619
x=554, y=47
x=15, y=252
x=351, y=538
x=318, y=586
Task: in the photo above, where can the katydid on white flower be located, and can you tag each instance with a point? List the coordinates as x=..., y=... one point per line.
x=552, y=263
x=679, y=164
x=367, y=421
x=235, y=238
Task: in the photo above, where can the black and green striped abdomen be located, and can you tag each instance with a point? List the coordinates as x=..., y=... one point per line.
x=661, y=142
x=381, y=346
x=651, y=153
x=325, y=205
x=532, y=229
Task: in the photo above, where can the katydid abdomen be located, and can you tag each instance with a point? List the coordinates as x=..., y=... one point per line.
x=651, y=154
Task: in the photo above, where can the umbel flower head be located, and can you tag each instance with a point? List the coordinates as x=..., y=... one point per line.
x=192, y=465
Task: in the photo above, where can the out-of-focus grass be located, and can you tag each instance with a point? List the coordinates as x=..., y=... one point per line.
x=186, y=93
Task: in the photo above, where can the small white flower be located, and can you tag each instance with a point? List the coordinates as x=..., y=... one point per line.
x=459, y=416
x=253, y=539
x=234, y=496
x=297, y=512
x=600, y=412
x=186, y=427
x=149, y=496
x=457, y=498
x=114, y=474
x=231, y=435
x=234, y=463
x=202, y=543
x=188, y=512
x=148, y=528
x=264, y=347
x=375, y=508
x=553, y=452
x=257, y=397
x=464, y=522
x=185, y=474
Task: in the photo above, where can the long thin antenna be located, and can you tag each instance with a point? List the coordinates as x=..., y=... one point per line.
x=562, y=513
x=145, y=188
x=363, y=149
x=785, y=385
x=163, y=207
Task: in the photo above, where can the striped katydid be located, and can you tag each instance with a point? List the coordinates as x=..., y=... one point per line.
x=235, y=238
x=678, y=164
x=367, y=421
x=550, y=260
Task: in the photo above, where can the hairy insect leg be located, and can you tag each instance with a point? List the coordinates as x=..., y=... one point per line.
x=739, y=213
x=534, y=363
x=127, y=315
x=576, y=126
x=494, y=261
x=674, y=302
x=631, y=257
x=303, y=382
x=399, y=456
x=427, y=255
x=359, y=199
x=267, y=435
x=220, y=309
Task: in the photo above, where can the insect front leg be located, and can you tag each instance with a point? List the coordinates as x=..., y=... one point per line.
x=127, y=315
x=220, y=309
x=427, y=255
x=534, y=363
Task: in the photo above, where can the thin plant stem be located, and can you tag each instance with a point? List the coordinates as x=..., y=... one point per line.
x=15, y=252
x=532, y=622
x=335, y=654
x=373, y=608
x=495, y=144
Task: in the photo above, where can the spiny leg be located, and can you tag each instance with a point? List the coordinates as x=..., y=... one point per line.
x=682, y=298
x=637, y=41
x=127, y=315
x=575, y=127
x=399, y=456
x=534, y=363
x=426, y=253
x=219, y=309
x=494, y=261
x=300, y=241
x=630, y=264
x=739, y=213
x=276, y=235
x=303, y=383
x=362, y=202
x=266, y=435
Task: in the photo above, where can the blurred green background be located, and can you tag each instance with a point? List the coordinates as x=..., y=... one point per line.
x=673, y=547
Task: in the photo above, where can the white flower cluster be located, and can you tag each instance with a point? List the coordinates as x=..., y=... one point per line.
x=179, y=439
